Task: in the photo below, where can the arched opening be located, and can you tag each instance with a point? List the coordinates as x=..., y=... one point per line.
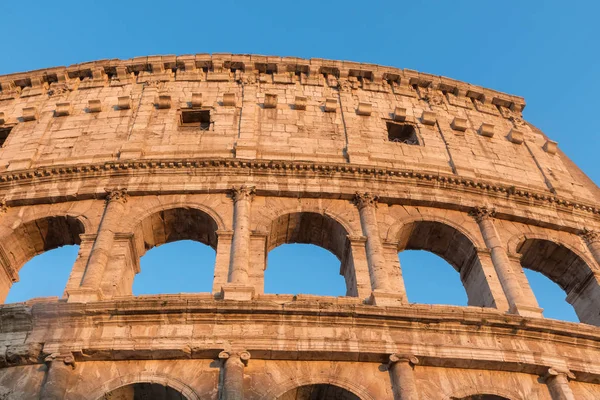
x=304, y=269
x=177, y=249
x=456, y=249
x=144, y=391
x=309, y=228
x=550, y=297
x=319, y=392
x=568, y=270
x=47, y=274
x=183, y=266
x=481, y=397
x=429, y=279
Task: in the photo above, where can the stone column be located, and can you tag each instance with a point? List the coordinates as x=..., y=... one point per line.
x=557, y=381
x=233, y=374
x=222, y=259
x=60, y=370
x=100, y=254
x=518, y=302
x=238, y=287
x=402, y=376
x=383, y=293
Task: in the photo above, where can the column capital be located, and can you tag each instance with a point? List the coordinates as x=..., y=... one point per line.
x=65, y=358
x=555, y=372
x=244, y=356
x=362, y=200
x=403, y=358
x=3, y=206
x=482, y=213
x=242, y=192
x=589, y=236
x=119, y=195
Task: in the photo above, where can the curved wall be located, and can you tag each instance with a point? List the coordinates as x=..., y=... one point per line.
x=245, y=153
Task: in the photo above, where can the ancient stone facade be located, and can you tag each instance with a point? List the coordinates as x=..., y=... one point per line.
x=245, y=153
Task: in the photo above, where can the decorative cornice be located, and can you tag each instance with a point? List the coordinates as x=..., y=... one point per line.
x=441, y=181
x=249, y=69
x=242, y=193
x=362, y=200
x=117, y=195
x=3, y=206
x=482, y=213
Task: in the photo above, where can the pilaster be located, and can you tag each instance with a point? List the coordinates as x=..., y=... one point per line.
x=557, y=380
x=233, y=374
x=402, y=376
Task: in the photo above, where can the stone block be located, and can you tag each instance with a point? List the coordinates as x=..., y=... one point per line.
x=459, y=124
x=196, y=100
x=229, y=100
x=515, y=136
x=164, y=101
x=364, y=109
x=486, y=130
x=62, y=109
x=237, y=292
x=29, y=114
x=94, y=106
x=330, y=105
x=428, y=118
x=300, y=103
x=124, y=103
x=399, y=114
x=270, y=100
x=550, y=147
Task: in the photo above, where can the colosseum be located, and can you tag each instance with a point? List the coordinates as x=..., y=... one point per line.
x=245, y=153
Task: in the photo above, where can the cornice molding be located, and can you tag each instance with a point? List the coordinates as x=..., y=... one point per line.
x=364, y=172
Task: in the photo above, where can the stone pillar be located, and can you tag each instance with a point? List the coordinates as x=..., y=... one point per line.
x=233, y=374
x=99, y=256
x=402, y=376
x=518, y=302
x=383, y=293
x=238, y=287
x=354, y=268
x=222, y=259
x=557, y=381
x=60, y=370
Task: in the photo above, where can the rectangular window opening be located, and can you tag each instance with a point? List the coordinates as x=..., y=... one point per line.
x=196, y=118
x=402, y=133
x=4, y=132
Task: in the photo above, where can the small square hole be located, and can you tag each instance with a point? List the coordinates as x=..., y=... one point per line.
x=196, y=118
x=402, y=133
x=4, y=132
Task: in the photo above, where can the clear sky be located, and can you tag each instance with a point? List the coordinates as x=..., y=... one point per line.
x=546, y=51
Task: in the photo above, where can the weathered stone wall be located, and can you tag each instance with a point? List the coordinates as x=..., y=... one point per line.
x=245, y=153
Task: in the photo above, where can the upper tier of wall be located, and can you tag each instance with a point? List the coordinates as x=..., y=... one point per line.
x=274, y=108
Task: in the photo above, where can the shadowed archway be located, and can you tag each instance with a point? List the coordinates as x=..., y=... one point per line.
x=319, y=392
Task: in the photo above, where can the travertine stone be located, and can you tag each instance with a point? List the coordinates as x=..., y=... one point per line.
x=550, y=147
x=428, y=118
x=486, y=130
x=515, y=136
x=459, y=124
x=399, y=114
x=296, y=165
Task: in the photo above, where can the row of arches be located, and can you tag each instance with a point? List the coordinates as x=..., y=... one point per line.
x=318, y=391
x=559, y=263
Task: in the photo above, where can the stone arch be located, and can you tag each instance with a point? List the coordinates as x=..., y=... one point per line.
x=463, y=250
x=471, y=393
x=143, y=377
x=280, y=388
x=265, y=224
x=319, y=229
x=138, y=218
x=35, y=235
x=567, y=266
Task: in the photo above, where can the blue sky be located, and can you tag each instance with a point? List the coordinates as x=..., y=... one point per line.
x=544, y=51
